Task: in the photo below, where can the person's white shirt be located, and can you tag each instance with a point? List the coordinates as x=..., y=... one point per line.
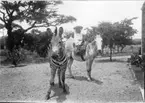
x=77, y=38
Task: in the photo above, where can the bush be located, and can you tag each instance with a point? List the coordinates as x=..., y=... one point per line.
x=135, y=60
x=3, y=53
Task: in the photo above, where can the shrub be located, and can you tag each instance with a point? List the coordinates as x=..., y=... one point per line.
x=135, y=60
x=3, y=53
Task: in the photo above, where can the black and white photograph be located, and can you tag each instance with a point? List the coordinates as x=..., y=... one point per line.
x=72, y=51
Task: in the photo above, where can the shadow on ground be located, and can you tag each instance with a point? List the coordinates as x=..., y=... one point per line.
x=21, y=65
x=82, y=78
x=108, y=60
x=58, y=93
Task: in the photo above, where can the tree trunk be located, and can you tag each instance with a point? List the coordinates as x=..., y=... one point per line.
x=122, y=47
x=118, y=49
x=102, y=50
x=10, y=42
x=110, y=54
x=10, y=39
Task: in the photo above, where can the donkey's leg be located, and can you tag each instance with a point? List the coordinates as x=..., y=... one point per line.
x=53, y=72
x=63, y=80
x=70, y=62
x=59, y=78
x=89, y=68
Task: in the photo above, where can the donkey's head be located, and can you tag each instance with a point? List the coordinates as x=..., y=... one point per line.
x=57, y=47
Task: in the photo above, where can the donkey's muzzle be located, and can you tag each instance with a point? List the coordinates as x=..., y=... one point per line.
x=55, y=49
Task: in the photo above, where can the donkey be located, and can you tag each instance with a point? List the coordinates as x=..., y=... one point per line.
x=89, y=54
x=58, y=60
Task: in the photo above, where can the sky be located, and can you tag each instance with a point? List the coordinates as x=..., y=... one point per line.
x=90, y=12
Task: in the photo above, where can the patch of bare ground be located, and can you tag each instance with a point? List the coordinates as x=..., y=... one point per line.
x=112, y=82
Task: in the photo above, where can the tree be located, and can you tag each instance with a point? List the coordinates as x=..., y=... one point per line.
x=106, y=30
x=91, y=34
x=34, y=13
x=43, y=43
x=38, y=41
x=30, y=41
x=124, y=32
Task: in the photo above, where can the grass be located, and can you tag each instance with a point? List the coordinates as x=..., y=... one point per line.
x=29, y=57
x=126, y=51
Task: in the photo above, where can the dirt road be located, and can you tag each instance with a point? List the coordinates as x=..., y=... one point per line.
x=112, y=82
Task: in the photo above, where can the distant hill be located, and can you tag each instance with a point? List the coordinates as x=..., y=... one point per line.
x=137, y=41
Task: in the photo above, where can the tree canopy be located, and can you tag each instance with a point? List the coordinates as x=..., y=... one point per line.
x=34, y=13
x=117, y=34
x=91, y=34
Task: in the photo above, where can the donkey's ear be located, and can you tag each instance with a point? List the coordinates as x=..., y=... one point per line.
x=55, y=31
x=60, y=31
